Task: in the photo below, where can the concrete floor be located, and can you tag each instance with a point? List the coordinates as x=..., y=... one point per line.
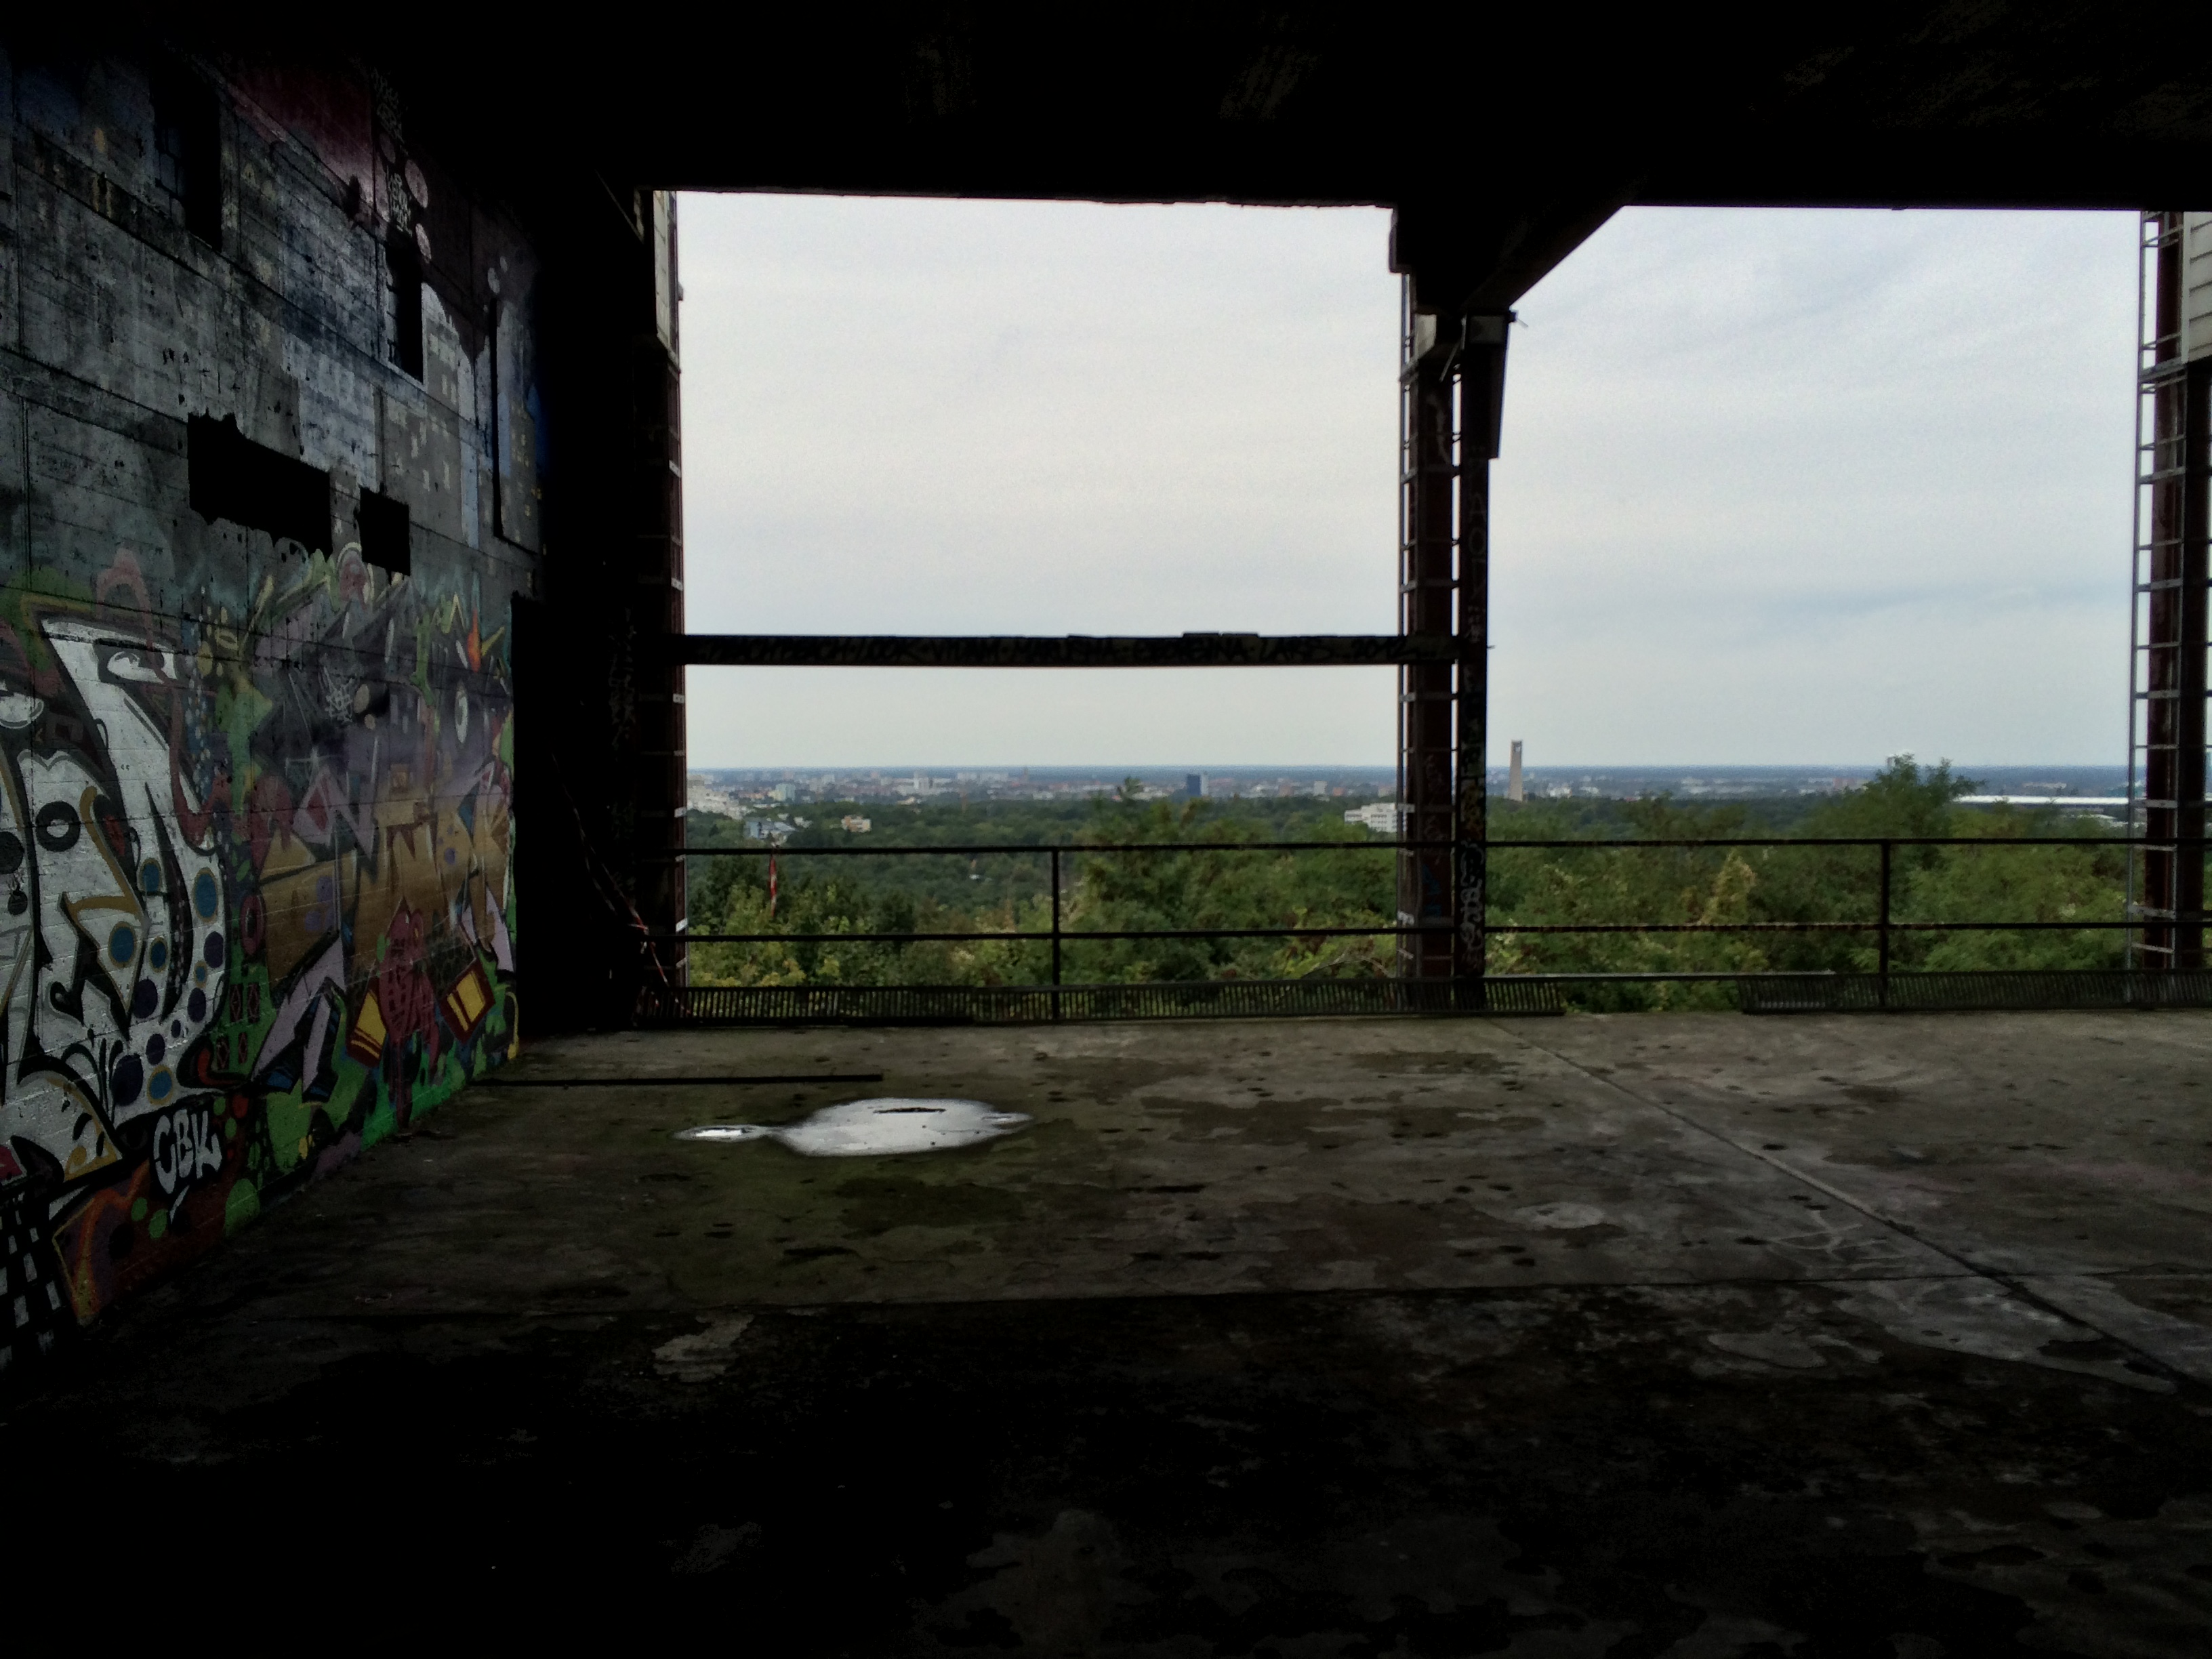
x=1694, y=1334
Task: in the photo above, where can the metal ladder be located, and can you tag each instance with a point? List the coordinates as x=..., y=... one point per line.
x=2159, y=675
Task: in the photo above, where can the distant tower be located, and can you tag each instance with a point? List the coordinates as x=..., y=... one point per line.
x=1513, y=791
x=1193, y=785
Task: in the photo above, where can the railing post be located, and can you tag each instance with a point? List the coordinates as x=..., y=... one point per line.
x=1882, y=987
x=1055, y=933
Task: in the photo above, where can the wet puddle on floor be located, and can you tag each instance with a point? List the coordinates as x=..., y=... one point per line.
x=875, y=1128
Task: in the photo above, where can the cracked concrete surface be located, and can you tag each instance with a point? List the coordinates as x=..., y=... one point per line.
x=1684, y=1333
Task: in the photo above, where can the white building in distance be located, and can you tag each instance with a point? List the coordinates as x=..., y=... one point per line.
x=1384, y=818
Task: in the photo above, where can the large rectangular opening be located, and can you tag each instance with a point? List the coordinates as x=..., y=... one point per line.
x=1755, y=458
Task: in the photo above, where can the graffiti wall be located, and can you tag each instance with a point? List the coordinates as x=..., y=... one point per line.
x=267, y=504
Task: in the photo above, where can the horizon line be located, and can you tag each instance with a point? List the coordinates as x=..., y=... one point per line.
x=1375, y=766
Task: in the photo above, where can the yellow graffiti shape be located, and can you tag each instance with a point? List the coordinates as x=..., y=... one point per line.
x=303, y=902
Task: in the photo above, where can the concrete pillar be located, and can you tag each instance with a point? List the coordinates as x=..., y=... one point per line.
x=605, y=722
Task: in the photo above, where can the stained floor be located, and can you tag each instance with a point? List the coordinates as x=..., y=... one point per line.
x=1693, y=1334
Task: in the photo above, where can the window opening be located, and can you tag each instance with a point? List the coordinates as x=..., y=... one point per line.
x=188, y=153
x=383, y=533
x=233, y=477
x=404, y=262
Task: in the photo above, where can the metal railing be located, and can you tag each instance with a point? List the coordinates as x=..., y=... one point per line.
x=1884, y=925
x=1058, y=934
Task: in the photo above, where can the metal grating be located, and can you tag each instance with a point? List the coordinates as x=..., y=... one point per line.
x=1810, y=993
x=666, y=1006
x=956, y=1005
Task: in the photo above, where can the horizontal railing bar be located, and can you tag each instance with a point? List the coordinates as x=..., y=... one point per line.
x=1804, y=926
x=1711, y=975
x=828, y=939
x=1070, y=651
x=1065, y=934
x=1069, y=934
x=2006, y=927
x=979, y=849
x=1683, y=927
x=1849, y=840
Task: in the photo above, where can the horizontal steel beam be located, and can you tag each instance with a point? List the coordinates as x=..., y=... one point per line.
x=1074, y=651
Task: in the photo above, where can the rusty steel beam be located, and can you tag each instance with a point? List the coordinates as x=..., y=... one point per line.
x=1453, y=385
x=1074, y=651
x=2172, y=890
x=1426, y=589
x=1482, y=397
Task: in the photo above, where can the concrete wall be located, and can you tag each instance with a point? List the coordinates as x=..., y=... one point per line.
x=256, y=906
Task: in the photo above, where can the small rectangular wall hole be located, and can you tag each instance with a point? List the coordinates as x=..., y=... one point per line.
x=233, y=477
x=383, y=533
x=188, y=151
x=405, y=266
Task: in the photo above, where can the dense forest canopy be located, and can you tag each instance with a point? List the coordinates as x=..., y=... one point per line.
x=1351, y=883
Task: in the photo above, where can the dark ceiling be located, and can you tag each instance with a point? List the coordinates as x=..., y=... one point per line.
x=1503, y=135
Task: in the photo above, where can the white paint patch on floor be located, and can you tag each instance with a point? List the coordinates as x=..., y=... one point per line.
x=703, y=1355
x=876, y=1128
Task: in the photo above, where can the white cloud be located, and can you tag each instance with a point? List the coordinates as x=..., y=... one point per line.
x=1777, y=487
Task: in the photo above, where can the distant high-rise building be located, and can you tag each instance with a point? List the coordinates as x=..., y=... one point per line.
x=1513, y=790
x=1193, y=785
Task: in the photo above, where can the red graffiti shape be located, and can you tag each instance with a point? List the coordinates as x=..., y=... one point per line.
x=403, y=988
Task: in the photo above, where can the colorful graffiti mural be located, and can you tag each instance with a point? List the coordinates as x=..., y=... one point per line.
x=256, y=910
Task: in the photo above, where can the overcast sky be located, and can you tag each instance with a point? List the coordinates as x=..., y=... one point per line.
x=1777, y=488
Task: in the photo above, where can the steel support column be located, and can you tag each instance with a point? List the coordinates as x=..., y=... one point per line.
x=1481, y=398
x=1426, y=583
x=2172, y=578
x=1454, y=382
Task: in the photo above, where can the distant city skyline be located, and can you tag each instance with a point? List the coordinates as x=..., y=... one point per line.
x=923, y=781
